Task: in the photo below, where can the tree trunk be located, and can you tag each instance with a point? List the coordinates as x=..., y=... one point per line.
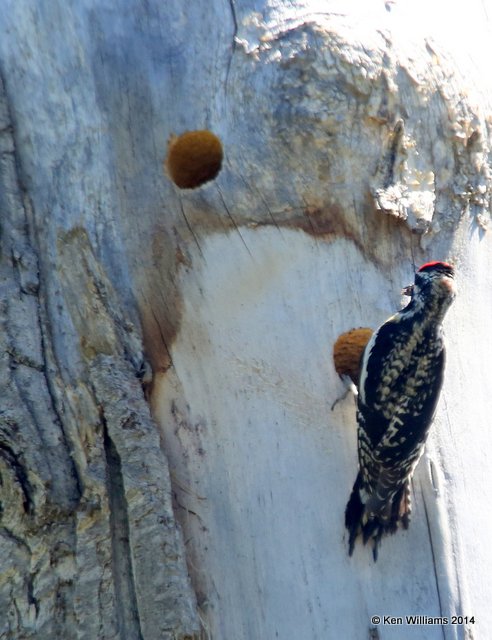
x=355, y=147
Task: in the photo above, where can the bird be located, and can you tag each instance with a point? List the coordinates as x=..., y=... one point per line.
x=400, y=383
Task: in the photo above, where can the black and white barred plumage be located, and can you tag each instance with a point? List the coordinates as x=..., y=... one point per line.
x=400, y=381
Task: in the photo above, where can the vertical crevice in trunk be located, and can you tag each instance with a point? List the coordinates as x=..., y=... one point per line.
x=12, y=460
x=126, y=601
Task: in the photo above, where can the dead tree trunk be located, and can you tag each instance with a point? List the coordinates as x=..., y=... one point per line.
x=332, y=153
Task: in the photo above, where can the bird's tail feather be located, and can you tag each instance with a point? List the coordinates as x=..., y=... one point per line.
x=373, y=525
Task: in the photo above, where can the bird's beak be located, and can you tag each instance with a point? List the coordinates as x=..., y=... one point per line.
x=407, y=291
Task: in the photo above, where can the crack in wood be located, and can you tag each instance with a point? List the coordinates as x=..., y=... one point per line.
x=126, y=605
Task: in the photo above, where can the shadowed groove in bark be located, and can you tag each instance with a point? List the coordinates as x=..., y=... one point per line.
x=12, y=460
x=126, y=606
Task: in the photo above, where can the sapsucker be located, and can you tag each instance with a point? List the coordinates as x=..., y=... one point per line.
x=399, y=386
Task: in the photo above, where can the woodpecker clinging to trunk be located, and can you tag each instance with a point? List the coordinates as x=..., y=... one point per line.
x=400, y=381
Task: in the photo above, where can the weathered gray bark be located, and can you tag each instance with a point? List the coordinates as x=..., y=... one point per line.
x=354, y=149
x=89, y=545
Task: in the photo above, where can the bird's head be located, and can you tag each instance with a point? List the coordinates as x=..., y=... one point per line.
x=434, y=286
